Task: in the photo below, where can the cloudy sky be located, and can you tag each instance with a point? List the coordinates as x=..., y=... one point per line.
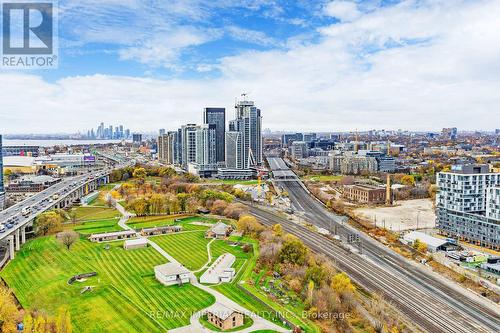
x=309, y=65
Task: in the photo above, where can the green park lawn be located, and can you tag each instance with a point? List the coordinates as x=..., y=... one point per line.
x=95, y=213
x=95, y=227
x=124, y=293
x=159, y=221
x=97, y=202
x=190, y=249
x=107, y=187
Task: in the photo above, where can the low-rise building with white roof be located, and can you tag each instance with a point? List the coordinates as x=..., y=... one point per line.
x=132, y=244
x=172, y=273
x=220, y=270
x=433, y=243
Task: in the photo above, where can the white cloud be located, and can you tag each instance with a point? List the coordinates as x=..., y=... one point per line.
x=164, y=48
x=413, y=66
x=251, y=36
x=342, y=10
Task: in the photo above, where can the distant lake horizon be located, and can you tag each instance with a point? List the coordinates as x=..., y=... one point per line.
x=57, y=142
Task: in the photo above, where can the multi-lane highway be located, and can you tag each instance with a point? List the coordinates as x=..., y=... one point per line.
x=12, y=220
x=429, y=301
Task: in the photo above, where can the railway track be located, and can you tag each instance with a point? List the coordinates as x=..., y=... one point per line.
x=425, y=308
x=317, y=214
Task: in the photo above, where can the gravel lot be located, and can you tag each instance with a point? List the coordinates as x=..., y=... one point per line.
x=403, y=216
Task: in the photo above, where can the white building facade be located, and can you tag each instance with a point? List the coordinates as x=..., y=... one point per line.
x=467, y=204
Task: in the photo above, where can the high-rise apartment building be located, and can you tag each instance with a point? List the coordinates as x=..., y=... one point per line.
x=199, y=149
x=248, y=123
x=188, y=137
x=166, y=147
x=2, y=191
x=233, y=150
x=217, y=118
x=468, y=203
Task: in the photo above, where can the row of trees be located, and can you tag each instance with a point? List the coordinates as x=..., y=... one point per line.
x=140, y=173
x=171, y=203
x=34, y=322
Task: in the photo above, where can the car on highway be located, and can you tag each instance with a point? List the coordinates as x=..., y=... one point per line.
x=9, y=226
x=26, y=211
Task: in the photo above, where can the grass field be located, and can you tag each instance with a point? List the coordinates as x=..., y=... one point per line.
x=107, y=187
x=124, y=293
x=95, y=213
x=98, y=202
x=323, y=178
x=158, y=221
x=190, y=249
x=94, y=227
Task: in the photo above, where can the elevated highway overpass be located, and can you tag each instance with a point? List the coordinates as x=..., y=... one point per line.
x=61, y=195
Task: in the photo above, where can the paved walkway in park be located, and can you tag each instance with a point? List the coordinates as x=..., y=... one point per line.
x=195, y=326
x=209, y=257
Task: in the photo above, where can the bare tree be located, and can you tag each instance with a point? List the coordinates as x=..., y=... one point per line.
x=67, y=238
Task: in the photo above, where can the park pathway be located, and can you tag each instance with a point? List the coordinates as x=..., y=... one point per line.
x=259, y=323
x=209, y=257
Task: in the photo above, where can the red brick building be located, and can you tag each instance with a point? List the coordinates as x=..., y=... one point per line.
x=366, y=194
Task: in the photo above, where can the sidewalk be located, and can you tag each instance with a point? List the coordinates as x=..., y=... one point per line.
x=259, y=323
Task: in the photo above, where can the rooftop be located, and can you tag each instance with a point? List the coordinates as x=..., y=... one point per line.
x=138, y=241
x=220, y=228
x=425, y=238
x=221, y=311
x=171, y=268
x=470, y=169
x=116, y=233
x=365, y=187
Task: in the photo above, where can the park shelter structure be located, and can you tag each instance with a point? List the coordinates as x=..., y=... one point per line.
x=220, y=230
x=132, y=244
x=112, y=236
x=172, y=273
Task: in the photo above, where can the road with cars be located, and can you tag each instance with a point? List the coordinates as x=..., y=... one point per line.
x=430, y=301
x=13, y=218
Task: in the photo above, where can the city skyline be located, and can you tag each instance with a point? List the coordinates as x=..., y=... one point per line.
x=365, y=69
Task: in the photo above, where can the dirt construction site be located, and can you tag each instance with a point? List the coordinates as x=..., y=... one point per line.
x=403, y=215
